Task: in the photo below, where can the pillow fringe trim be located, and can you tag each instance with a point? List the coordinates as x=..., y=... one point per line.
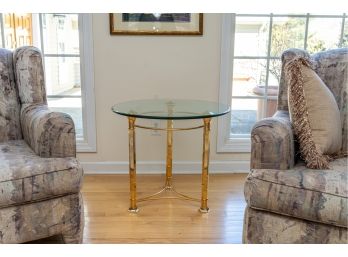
x=313, y=157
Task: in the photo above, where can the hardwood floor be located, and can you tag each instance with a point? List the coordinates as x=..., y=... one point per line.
x=107, y=219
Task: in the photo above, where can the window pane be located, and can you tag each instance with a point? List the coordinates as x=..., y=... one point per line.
x=323, y=34
x=287, y=32
x=63, y=75
x=275, y=67
x=345, y=34
x=247, y=74
x=244, y=114
x=71, y=106
x=251, y=36
x=60, y=33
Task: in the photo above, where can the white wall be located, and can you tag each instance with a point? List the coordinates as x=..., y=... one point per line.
x=135, y=67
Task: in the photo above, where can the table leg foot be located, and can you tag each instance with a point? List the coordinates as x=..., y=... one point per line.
x=204, y=210
x=133, y=210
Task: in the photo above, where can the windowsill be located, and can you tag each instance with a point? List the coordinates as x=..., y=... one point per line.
x=235, y=145
x=84, y=147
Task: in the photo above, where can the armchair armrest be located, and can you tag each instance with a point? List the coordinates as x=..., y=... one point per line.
x=49, y=134
x=272, y=143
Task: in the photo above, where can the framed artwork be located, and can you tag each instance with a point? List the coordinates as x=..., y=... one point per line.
x=156, y=23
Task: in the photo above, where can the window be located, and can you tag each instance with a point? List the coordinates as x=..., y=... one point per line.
x=250, y=64
x=62, y=65
x=66, y=44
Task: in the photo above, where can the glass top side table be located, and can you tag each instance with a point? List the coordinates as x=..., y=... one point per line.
x=170, y=110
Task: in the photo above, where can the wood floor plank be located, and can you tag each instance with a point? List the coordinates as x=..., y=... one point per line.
x=107, y=220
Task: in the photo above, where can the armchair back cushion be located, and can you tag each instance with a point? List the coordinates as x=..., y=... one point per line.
x=10, y=128
x=30, y=75
x=332, y=68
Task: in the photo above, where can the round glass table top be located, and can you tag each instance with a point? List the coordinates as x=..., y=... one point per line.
x=170, y=109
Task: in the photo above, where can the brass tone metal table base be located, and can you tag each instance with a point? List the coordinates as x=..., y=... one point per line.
x=169, y=187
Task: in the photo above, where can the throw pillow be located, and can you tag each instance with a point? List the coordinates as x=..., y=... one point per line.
x=314, y=114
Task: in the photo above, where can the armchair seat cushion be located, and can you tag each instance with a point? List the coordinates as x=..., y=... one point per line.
x=314, y=195
x=26, y=177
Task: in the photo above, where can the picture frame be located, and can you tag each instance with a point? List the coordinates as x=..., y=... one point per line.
x=183, y=24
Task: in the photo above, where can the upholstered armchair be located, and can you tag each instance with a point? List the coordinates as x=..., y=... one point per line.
x=287, y=202
x=40, y=178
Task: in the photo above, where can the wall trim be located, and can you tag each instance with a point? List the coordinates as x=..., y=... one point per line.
x=240, y=166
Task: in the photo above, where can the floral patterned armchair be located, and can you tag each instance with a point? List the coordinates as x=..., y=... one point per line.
x=287, y=202
x=40, y=178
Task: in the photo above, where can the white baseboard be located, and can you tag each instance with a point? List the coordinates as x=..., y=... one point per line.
x=159, y=167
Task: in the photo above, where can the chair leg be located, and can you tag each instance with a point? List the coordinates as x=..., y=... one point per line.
x=73, y=238
x=74, y=231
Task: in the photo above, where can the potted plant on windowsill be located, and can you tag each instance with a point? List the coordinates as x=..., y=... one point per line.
x=271, y=108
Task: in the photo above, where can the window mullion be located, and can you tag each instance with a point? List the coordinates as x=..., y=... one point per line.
x=41, y=34
x=342, y=30
x=306, y=32
x=326, y=16
x=63, y=96
x=247, y=97
x=255, y=57
x=278, y=15
x=62, y=55
x=42, y=40
x=267, y=64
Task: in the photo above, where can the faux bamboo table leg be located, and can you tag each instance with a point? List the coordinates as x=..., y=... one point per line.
x=169, y=162
x=205, y=165
x=132, y=166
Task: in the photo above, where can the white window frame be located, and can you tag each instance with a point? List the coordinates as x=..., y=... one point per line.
x=2, y=31
x=88, y=142
x=225, y=141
